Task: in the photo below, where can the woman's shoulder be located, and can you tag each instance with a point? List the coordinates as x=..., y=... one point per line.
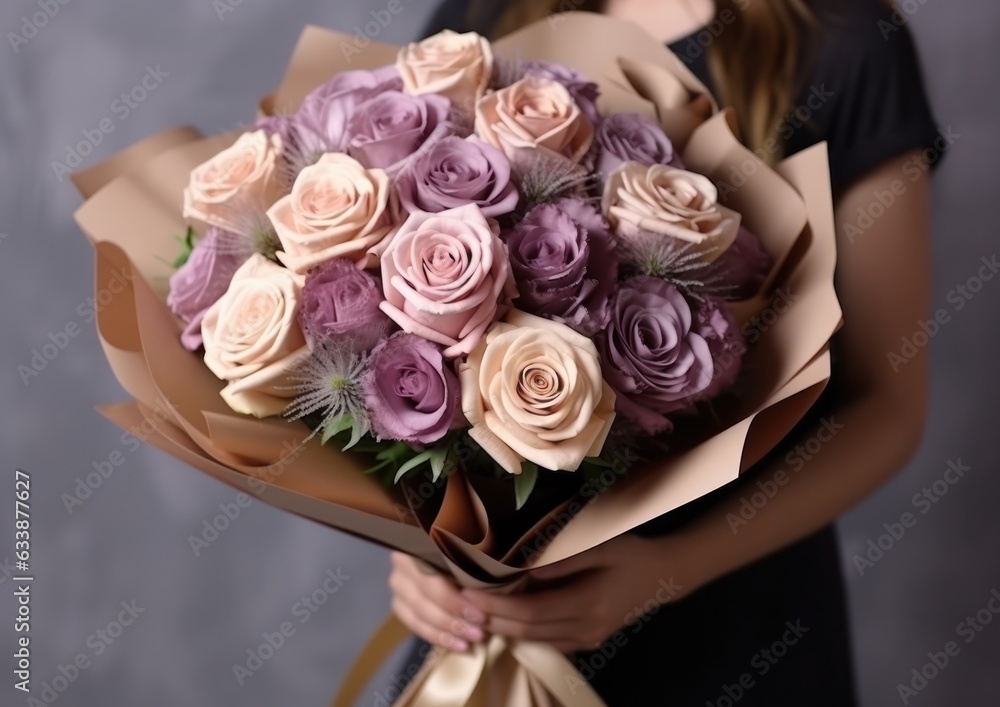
x=865, y=92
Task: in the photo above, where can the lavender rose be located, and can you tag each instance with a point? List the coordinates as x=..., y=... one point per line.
x=583, y=90
x=625, y=137
x=320, y=125
x=393, y=126
x=341, y=301
x=565, y=271
x=455, y=172
x=411, y=392
x=203, y=279
x=662, y=354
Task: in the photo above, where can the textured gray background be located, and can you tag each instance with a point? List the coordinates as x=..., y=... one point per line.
x=129, y=541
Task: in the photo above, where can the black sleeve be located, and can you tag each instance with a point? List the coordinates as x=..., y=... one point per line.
x=873, y=105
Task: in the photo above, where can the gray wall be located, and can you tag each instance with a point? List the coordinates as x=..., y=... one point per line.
x=129, y=540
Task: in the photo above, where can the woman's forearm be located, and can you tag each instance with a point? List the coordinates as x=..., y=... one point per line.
x=833, y=465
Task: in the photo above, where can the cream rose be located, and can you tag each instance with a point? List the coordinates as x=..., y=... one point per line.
x=253, y=339
x=337, y=209
x=234, y=189
x=534, y=114
x=666, y=201
x=454, y=65
x=446, y=276
x=532, y=390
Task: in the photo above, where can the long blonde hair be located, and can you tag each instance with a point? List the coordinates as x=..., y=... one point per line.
x=754, y=62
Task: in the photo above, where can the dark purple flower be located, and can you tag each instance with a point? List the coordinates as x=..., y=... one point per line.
x=662, y=353
x=583, y=90
x=565, y=266
x=203, y=279
x=742, y=267
x=630, y=137
x=455, y=172
x=411, y=392
x=392, y=126
x=340, y=304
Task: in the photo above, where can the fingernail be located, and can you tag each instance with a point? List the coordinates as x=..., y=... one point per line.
x=457, y=644
x=473, y=633
x=473, y=614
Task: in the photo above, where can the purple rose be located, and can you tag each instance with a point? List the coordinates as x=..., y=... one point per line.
x=320, y=125
x=565, y=266
x=583, y=90
x=411, y=392
x=742, y=267
x=630, y=137
x=392, y=126
x=455, y=172
x=662, y=353
x=203, y=279
x=340, y=300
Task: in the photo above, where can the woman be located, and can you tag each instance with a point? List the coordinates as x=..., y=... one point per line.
x=752, y=609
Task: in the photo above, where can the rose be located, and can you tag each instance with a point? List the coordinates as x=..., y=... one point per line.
x=564, y=270
x=457, y=66
x=341, y=302
x=203, y=279
x=659, y=351
x=337, y=209
x=410, y=391
x=665, y=201
x=533, y=391
x=320, y=125
x=444, y=275
x=232, y=189
x=583, y=90
x=253, y=339
x=535, y=114
x=391, y=127
x=455, y=172
x=625, y=137
x=742, y=268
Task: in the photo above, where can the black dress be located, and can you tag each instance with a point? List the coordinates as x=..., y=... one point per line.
x=776, y=632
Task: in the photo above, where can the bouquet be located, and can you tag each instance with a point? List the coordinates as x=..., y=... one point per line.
x=490, y=304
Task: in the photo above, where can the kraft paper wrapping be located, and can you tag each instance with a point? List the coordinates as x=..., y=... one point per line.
x=132, y=214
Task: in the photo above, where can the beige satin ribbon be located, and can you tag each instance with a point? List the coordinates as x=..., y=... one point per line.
x=497, y=673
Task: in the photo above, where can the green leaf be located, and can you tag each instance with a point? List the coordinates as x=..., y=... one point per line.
x=411, y=464
x=438, y=457
x=187, y=242
x=335, y=427
x=524, y=483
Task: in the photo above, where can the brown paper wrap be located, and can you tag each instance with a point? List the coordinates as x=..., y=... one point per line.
x=133, y=211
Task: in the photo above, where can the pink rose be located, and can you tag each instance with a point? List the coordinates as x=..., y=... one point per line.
x=534, y=115
x=253, y=339
x=446, y=276
x=337, y=209
x=234, y=189
x=457, y=66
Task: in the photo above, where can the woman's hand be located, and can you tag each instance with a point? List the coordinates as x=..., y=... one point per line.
x=576, y=604
x=431, y=606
